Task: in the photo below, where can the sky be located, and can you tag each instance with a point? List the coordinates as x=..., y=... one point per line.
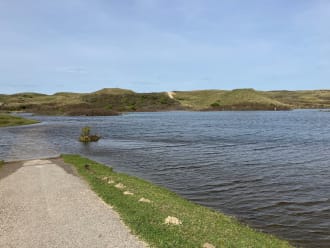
x=163, y=45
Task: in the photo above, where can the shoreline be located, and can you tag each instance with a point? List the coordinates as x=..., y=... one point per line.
x=35, y=122
x=9, y=120
x=196, y=225
x=158, y=216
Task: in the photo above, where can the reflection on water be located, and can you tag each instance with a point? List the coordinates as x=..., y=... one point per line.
x=270, y=169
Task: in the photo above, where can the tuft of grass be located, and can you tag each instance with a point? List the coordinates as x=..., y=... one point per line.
x=7, y=120
x=1, y=163
x=200, y=225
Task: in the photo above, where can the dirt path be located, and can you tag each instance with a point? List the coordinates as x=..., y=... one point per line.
x=43, y=204
x=171, y=94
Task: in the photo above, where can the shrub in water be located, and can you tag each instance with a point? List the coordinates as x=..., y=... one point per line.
x=86, y=136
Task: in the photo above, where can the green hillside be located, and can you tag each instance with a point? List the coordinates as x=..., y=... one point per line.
x=103, y=102
x=112, y=101
x=130, y=102
x=302, y=99
x=199, y=99
x=114, y=91
x=240, y=99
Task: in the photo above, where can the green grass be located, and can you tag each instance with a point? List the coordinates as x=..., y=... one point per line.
x=1, y=163
x=7, y=120
x=199, y=224
x=240, y=99
x=302, y=99
x=199, y=99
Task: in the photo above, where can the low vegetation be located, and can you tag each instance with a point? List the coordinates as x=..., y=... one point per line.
x=317, y=99
x=116, y=101
x=100, y=103
x=162, y=218
x=131, y=102
x=199, y=99
x=7, y=120
x=241, y=99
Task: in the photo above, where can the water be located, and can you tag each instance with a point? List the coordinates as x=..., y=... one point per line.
x=269, y=169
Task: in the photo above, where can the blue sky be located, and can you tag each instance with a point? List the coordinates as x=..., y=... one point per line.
x=163, y=45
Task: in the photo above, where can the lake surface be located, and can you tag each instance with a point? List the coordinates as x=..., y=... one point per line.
x=269, y=169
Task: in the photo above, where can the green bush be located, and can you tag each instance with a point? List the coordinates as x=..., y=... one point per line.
x=86, y=136
x=215, y=104
x=164, y=100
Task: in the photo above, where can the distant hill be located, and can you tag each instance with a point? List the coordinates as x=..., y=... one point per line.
x=240, y=99
x=112, y=101
x=114, y=91
x=302, y=99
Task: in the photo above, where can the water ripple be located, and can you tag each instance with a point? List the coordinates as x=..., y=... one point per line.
x=269, y=169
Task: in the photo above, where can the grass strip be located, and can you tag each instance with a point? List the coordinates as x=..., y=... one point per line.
x=10, y=120
x=199, y=225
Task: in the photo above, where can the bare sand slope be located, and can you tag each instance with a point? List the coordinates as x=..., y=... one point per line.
x=171, y=94
x=43, y=204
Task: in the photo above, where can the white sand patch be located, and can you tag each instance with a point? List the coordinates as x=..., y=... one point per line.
x=170, y=220
x=171, y=94
x=120, y=186
x=144, y=200
x=104, y=178
x=208, y=245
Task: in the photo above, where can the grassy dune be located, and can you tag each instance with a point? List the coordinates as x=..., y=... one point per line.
x=10, y=120
x=103, y=102
x=241, y=99
x=199, y=225
x=114, y=91
x=302, y=99
x=199, y=99
x=113, y=101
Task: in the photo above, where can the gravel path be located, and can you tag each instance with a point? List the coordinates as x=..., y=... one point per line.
x=43, y=204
